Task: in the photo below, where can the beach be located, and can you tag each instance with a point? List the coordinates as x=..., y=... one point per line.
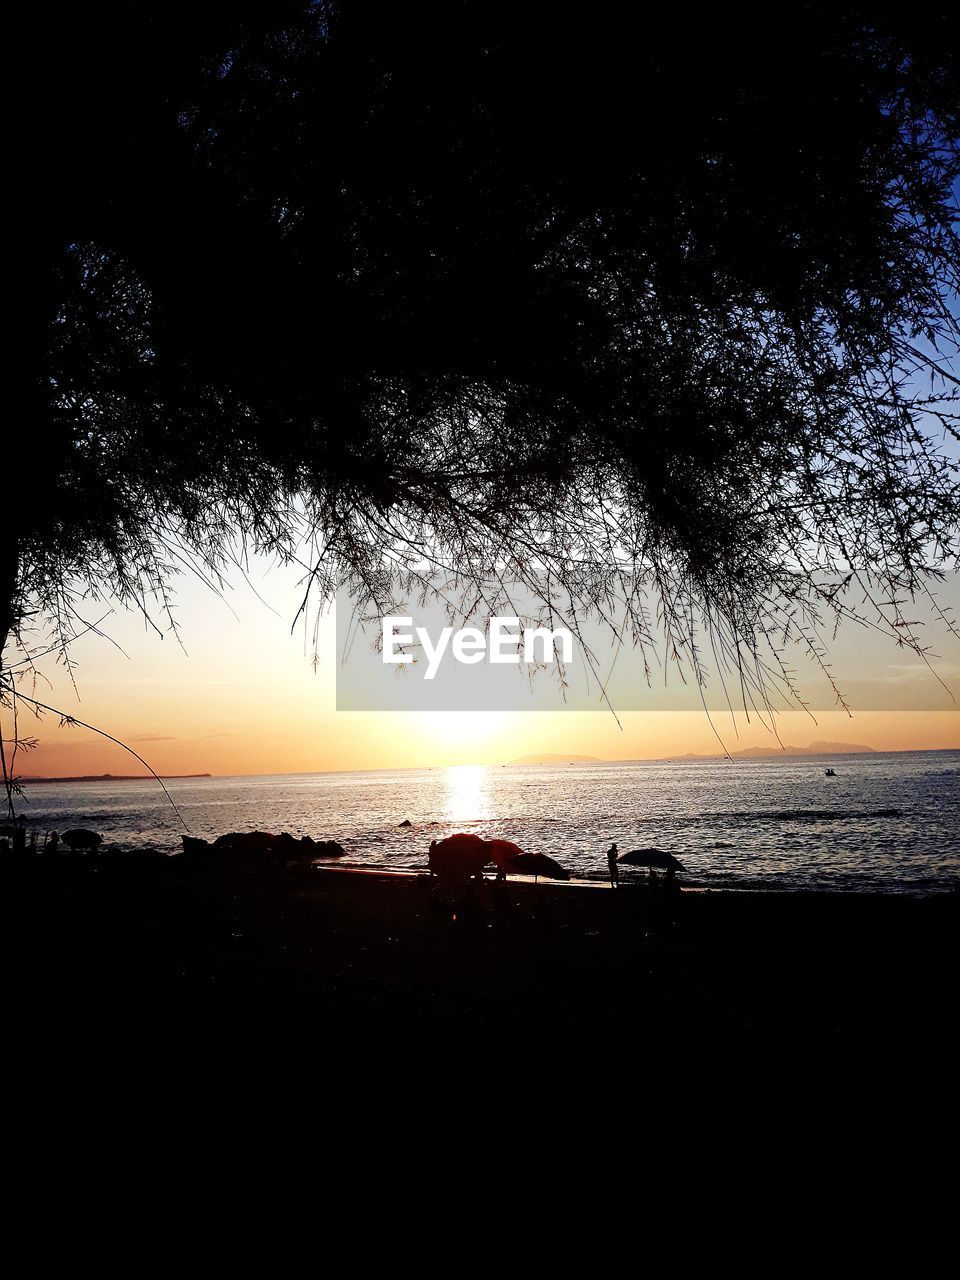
x=341, y=963
x=814, y=919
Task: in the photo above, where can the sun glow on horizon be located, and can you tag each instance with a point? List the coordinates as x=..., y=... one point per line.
x=470, y=732
x=245, y=700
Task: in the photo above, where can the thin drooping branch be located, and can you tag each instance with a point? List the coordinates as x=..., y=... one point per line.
x=67, y=719
x=677, y=353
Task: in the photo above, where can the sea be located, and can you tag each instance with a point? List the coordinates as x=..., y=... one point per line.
x=886, y=822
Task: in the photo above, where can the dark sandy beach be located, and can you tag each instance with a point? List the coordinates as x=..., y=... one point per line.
x=331, y=962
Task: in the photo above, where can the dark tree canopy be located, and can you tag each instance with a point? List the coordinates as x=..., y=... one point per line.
x=521, y=286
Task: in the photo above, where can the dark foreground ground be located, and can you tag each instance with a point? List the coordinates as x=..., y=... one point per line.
x=122, y=955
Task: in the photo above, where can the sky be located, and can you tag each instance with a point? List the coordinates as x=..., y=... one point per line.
x=241, y=696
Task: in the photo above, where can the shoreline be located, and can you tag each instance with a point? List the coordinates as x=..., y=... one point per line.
x=641, y=884
x=631, y=882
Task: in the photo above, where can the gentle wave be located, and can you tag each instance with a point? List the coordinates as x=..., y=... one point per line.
x=802, y=815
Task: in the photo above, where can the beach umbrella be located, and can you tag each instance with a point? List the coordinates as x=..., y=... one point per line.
x=460, y=855
x=502, y=850
x=652, y=858
x=537, y=864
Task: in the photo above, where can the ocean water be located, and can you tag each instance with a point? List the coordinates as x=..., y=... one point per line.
x=887, y=822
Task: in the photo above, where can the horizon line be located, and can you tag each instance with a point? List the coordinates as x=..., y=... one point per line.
x=477, y=764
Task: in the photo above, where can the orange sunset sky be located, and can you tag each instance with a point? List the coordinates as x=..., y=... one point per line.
x=242, y=696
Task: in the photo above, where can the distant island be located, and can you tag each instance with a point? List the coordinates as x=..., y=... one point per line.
x=814, y=749
x=747, y=753
x=123, y=777
x=551, y=758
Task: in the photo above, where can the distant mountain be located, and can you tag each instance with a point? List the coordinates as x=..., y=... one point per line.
x=547, y=757
x=814, y=749
x=121, y=777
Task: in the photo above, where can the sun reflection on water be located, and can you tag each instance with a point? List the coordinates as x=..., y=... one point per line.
x=467, y=796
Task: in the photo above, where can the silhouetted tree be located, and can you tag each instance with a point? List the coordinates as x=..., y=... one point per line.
x=506, y=285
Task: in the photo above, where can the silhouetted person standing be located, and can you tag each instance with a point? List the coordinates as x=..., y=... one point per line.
x=614, y=868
